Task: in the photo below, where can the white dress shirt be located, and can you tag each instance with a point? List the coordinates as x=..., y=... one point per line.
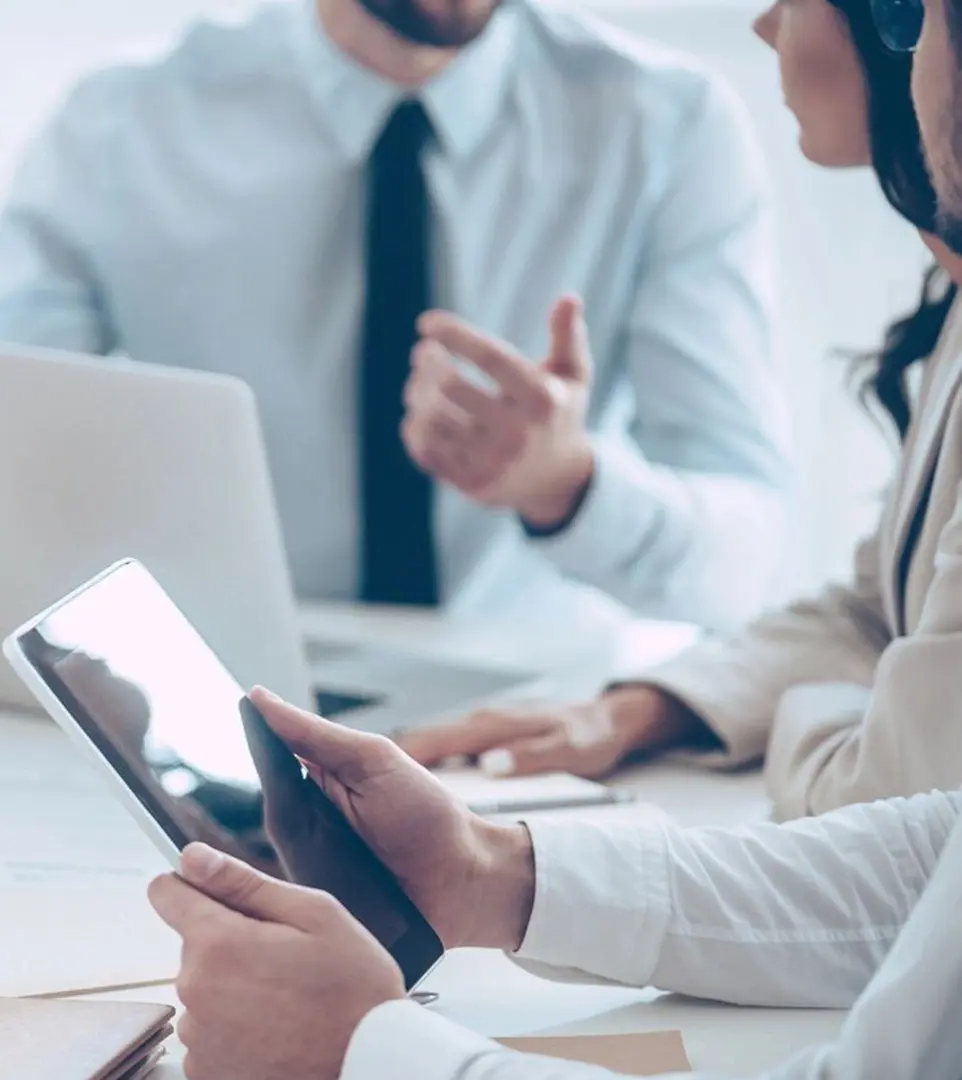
x=860, y=906
x=206, y=211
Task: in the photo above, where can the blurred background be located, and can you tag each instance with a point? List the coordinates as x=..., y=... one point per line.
x=847, y=265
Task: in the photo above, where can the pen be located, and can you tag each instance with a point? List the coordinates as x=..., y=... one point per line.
x=522, y=806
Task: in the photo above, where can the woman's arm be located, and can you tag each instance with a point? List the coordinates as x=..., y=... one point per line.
x=734, y=684
x=908, y=738
x=718, y=701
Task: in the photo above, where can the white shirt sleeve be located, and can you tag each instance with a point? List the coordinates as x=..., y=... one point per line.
x=703, y=482
x=802, y=914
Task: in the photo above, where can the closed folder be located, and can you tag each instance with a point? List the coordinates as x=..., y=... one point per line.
x=644, y=1053
x=80, y=1040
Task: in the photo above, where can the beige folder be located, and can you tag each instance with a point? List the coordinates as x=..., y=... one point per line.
x=650, y=1053
x=80, y=1040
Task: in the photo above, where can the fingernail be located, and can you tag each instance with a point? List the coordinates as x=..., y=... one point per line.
x=268, y=695
x=497, y=762
x=201, y=862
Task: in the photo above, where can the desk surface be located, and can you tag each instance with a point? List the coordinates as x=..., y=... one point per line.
x=69, y=826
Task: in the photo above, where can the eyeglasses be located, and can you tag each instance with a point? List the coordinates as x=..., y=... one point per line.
x=899, y=23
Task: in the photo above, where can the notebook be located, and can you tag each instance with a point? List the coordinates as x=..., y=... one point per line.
x=489, y=795
x=81, y=1040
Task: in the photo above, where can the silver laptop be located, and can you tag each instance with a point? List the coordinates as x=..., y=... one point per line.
x=102, y=460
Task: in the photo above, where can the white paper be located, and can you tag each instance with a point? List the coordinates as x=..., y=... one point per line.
x=482, y=792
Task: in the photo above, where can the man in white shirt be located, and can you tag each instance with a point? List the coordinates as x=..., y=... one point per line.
x=859, y=906
x=281, y=198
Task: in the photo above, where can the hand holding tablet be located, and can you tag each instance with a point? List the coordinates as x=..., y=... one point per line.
x=318, y=847
x=472, y=879
x=191, y=759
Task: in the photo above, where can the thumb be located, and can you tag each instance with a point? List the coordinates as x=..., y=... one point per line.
x=348, y=755
x=570, y=356
x=243, y=889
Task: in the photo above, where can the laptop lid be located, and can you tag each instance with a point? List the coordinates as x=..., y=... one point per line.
x=107, y=459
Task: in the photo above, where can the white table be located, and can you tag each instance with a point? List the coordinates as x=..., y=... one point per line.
x=57, y=799
x=487, y=993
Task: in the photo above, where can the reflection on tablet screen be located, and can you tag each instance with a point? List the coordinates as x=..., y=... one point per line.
x=333, y=703
x=165, y=713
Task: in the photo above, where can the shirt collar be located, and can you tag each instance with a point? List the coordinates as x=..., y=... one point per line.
x=464, y=102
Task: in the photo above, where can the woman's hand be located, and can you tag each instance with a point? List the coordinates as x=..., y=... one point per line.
x=588, y=740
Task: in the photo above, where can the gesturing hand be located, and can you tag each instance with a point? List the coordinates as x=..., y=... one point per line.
x=524, y=445
x=472, y=880
x=274, y=978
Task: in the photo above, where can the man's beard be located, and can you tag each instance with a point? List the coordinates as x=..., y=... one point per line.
x=451, y=31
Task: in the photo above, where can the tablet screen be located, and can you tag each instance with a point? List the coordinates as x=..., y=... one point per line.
x=171, y=721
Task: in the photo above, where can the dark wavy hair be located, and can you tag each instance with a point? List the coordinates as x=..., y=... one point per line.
x=899, y=163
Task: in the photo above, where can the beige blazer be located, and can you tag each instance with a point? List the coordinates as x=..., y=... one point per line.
x=857, y=695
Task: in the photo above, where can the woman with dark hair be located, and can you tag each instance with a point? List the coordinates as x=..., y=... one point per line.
x=896, y=151
x=851, y=696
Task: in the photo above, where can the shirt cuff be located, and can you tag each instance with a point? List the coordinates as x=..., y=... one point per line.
x=405, y=1041
x=716, y=693
x=602, y=899
x=628, y=504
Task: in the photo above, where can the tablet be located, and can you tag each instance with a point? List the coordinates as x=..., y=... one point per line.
x=136, y=687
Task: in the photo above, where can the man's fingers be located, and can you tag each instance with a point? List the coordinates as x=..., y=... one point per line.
x=349, y=755
x=429, y=364
x=428, y=358
x=445, y=422
x=520, y=381
x=464, y=467
x=436, y=378
x=241, y=888
x=436, y=431
x=284, y=787
x=481, y=732
x=475, y=402
x=570, y=350
x=183, y=908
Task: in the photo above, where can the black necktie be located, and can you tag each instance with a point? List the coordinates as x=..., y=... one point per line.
x=398, y=565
